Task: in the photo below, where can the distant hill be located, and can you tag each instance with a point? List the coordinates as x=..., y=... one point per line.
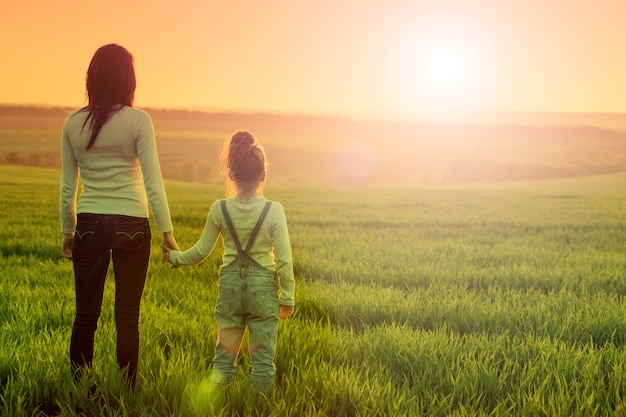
x=10, y=116
x=611, y=121
x=318, y=150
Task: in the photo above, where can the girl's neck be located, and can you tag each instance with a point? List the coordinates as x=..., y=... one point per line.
x=247, y=195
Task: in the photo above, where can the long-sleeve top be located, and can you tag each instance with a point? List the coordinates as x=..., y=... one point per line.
x=271, y=248
x=120, y=173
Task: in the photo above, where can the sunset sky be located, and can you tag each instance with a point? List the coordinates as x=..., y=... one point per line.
x=398, y=59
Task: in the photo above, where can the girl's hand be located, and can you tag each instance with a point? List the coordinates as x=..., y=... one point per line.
x=284, y=312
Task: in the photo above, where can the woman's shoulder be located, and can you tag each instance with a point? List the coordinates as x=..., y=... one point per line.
x=74, y=120
x=136, y=113
x=131, y=112
x=74, y=114
x=77, y=111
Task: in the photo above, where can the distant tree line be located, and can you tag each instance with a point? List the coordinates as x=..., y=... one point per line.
x=190, y=171
x=32, y=159
x=478, y=171
x=187, y=170
x=456, y=171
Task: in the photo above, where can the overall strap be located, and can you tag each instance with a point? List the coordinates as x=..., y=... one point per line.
x=230, y=227
x=244, y=254
x=257, y=226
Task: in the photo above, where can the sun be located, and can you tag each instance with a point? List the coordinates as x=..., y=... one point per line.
x=442, y=69
x=445, y=67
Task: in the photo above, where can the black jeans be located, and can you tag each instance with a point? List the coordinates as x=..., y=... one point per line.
x=127, y=240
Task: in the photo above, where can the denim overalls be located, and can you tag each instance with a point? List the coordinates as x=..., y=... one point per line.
x=248, y=297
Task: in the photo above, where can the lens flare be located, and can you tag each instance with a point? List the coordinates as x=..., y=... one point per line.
x=356, y=160
x=202, y=396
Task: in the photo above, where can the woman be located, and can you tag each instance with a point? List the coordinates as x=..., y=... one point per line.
x=112, y=147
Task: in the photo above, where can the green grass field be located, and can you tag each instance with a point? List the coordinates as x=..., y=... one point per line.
x=484, y=300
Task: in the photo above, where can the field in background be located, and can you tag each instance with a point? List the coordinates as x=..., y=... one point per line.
x=485, y=299
x=325, y=151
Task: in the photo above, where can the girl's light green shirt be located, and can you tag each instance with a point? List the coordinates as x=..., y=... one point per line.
x=271, y=248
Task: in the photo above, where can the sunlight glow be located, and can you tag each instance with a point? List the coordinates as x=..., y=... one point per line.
x=444, y=65
x=444, y=68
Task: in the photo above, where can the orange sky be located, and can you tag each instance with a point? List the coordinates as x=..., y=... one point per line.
x=378, y=58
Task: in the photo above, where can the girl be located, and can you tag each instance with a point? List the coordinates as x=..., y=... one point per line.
x=256, y=285
x=112, y=147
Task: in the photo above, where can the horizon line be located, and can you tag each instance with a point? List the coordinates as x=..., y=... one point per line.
x=498, y=117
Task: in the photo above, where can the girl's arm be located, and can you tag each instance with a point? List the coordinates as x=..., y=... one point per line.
x=284, y=262
x=198, y=252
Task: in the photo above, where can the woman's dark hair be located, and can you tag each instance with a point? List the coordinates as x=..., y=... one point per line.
x=110, y=84
x=243, y=159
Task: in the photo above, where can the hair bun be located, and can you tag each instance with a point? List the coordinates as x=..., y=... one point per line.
x=242, y=139
x=245, y=159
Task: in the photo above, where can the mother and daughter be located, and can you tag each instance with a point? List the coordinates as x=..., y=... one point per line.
x=110, y=147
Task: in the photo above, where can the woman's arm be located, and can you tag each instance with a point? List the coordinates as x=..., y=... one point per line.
x=151, y=169
x=69, y=185
x=68, y=191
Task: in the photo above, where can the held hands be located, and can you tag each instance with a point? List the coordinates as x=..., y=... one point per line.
x=284, y=312
x=169, y=243
x=68, y=239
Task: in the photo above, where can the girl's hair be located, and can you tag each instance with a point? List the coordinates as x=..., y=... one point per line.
x=243, y=161
x=110, y=85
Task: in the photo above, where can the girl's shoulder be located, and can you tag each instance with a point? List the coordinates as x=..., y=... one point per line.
x=276, y=211
x=276, y=204
x=253, y=206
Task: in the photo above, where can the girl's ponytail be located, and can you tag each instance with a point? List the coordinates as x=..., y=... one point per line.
x=243, y=159
x=241, y=145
